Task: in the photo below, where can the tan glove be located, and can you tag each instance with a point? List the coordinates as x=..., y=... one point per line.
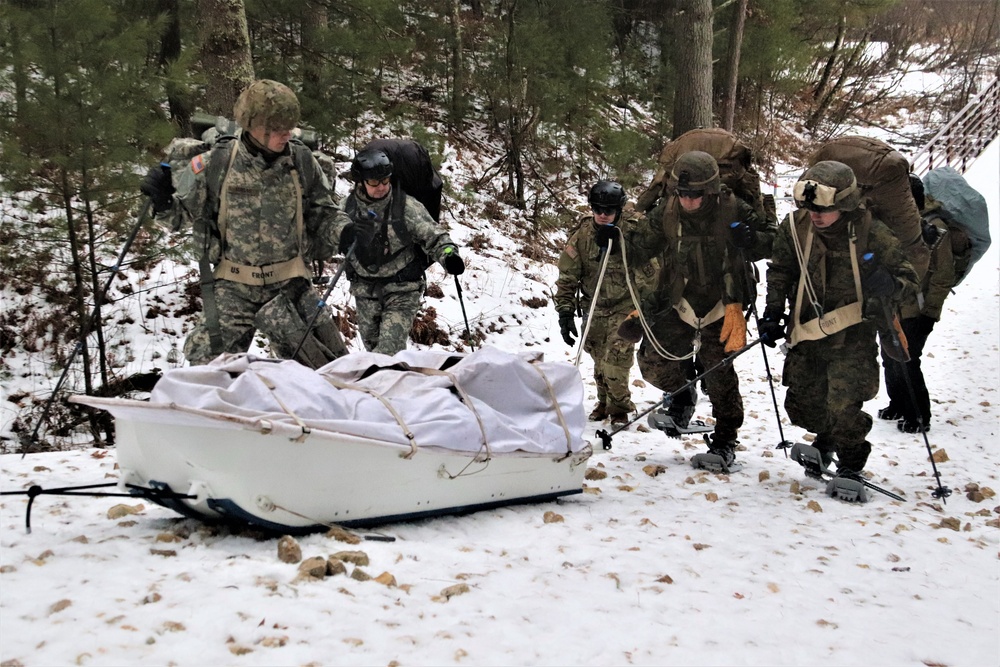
x=630, y=330
x=734, y=328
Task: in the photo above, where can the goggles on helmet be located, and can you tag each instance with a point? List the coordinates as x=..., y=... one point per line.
x=816, y=196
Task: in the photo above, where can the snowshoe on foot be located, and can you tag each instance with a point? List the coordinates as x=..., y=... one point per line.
x=619, y=418
x=815, y=461
x=662, y=421
x=907, y=425
x=890, y=413
x=721, y=456
x=848, y=485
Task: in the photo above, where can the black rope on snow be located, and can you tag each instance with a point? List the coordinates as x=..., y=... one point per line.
x=35, y=490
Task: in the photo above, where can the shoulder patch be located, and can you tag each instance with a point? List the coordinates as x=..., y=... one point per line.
x=570, y=250
x=197, y=164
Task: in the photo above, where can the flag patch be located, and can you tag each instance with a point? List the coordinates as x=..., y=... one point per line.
x=197, y=164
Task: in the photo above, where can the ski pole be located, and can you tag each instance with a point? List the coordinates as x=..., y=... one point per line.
x=29, y=442
x=942, y=492
x=668, y=396
x=326, y=295
x=461, y=302
x=784, y=444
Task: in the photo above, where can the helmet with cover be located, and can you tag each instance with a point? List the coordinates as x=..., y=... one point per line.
x=827, y=186
x=695, y=173
x=370, y=164
x=607, y=194
x=269, y=105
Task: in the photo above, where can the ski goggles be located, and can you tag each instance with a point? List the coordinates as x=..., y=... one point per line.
x=375, y=182
x=604, y=210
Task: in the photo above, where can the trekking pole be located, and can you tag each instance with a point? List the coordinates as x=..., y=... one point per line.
x=326, y=295
x=461, y=302
x=784, y=444
x=29, y=442
x=668, y=396
x=942, y=492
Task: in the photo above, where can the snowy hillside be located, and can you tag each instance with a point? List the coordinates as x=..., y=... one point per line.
x=655, y=563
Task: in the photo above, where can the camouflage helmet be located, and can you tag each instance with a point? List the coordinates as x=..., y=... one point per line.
x=827, y=186
x=608, y=194
x=370, y=164
x=269, y=105
x=695, y=173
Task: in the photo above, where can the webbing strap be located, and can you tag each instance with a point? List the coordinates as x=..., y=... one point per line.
x=686, y=313
x=262, y=275
x=828, y=323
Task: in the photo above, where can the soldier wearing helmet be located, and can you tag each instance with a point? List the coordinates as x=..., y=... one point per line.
x=708, y=237
x=262, y=210
x=596, y=240
x=389, y=240
x=836, y=266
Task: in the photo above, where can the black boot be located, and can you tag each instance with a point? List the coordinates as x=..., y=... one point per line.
x=890, y=413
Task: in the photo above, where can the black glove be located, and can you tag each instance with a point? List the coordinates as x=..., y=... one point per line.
x=771, y=327
x=158, y=186
x=453, y=263
x=930, y=232
x=567, y=327
x=362, y=234
x=879, y=283
x=742, y=236
x=606, y=235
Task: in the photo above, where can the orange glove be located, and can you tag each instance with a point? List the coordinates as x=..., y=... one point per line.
x=734, y=328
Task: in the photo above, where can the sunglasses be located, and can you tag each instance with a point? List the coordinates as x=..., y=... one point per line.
x=375, y=182
x=604, y=210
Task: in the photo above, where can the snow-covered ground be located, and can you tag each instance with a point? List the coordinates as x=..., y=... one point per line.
x=654, y=564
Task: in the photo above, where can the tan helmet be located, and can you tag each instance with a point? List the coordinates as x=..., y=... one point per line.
x=269, y=105
x=695, y=173
x=827, y=186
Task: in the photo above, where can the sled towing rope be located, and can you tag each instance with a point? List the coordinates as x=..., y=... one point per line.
x=668, y=396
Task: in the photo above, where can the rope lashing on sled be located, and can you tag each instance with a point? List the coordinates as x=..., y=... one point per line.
x=554, y=402
x=291, y=413
x=388, y=406
x=372, y=537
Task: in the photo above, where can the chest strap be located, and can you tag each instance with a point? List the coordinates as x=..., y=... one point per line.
x=262, y=275
x=836, y=320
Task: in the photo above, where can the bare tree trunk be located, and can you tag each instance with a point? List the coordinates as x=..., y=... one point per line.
x=693, y=101
x=170, y=51
x=225, y=53
x=457, y=65
x=824, y=79
x=733, y=64
x=314, y=19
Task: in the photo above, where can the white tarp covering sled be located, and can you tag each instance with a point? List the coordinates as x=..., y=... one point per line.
x=366, y=439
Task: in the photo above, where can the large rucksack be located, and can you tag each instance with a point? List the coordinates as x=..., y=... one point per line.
x=413, y=170
x=734, y=158
x=965, y=213
x=883, y=176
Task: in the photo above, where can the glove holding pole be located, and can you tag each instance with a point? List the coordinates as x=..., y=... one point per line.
x=879, y=285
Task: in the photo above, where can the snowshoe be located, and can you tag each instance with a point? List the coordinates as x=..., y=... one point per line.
x=720, y=457
x=848, y=486
x=816, y=462
x=662, y=421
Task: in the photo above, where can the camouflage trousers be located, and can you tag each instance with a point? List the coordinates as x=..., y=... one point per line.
x=613, y=359
x=281, y=312
x=385, y=317
x=828, y=384
x=722, y=385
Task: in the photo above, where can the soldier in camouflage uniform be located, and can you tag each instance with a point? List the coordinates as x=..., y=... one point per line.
x=709, y=237
x=257, y=230
x=579, y=268
x=393, y=236
x=832, y=364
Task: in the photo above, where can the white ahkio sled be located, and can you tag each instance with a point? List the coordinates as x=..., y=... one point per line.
x=365, y=440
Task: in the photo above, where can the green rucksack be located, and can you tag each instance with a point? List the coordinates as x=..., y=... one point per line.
x=964, y=211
